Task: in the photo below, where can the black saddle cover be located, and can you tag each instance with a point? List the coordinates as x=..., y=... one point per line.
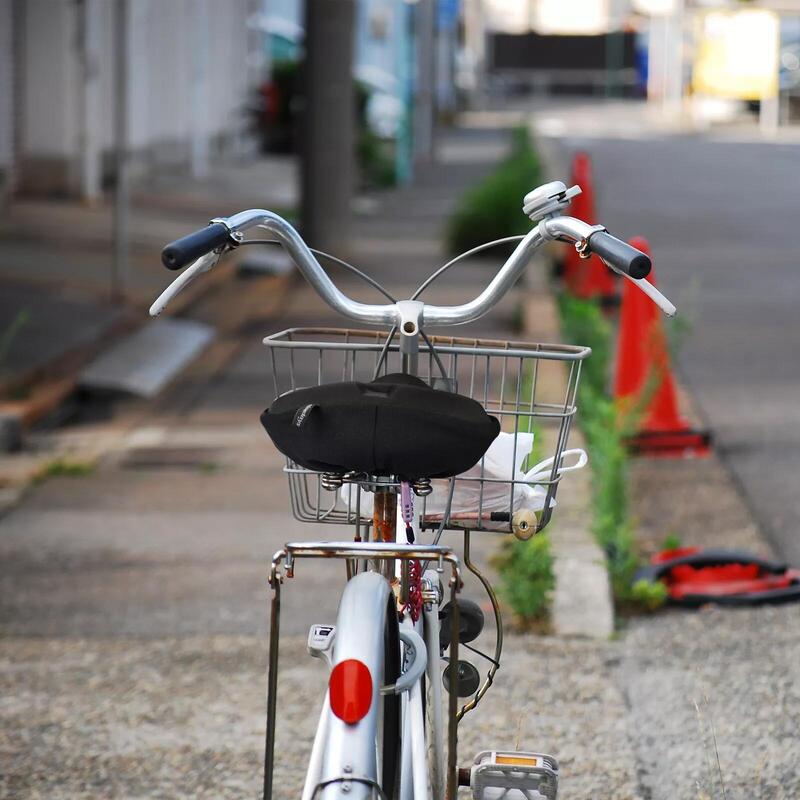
x=395, y=425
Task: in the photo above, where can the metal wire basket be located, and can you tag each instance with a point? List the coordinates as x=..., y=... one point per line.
x=530, y=388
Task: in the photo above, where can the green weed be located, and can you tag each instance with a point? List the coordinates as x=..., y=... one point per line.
x=63, y=467
x=493, y=208
x=527, y=578
x=650, y=595
x=605, y=430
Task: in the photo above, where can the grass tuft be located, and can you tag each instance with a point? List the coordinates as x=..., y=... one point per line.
x=527, y=579
x=605, y=429
x=63, y=467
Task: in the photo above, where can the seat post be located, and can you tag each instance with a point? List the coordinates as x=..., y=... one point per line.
x=384, y=524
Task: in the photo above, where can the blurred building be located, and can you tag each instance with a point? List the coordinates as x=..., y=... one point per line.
x=190, y=72
x=381, y=27
x=380, y=50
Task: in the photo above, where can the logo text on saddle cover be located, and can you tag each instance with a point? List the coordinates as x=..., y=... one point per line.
x=301, y=415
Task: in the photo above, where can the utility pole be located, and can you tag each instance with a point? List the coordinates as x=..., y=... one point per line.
x=328, y=130
x=424, y=106
x=89, y=100
x=404, y=149
x=119, y=275
x=199, y=160
x=446, y=48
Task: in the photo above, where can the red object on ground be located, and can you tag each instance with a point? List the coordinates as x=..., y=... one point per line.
x=720, y=580
x=586, y=277
x=724, y=581
x=643, y=368
x=668, y=555
x=694, y=577
x=350, y=690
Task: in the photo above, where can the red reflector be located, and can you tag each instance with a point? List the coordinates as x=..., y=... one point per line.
x=350, y=690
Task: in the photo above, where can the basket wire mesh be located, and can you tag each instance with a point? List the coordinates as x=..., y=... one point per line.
x=531, y=389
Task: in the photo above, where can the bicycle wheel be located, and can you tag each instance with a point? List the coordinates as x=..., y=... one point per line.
x=390, y=724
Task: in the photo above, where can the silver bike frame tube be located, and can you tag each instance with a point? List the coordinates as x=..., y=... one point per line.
x=414, y=761
x=436, y=740
x=406, y=752
x=419, y=761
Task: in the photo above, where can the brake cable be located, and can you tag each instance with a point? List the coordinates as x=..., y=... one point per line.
x=375, y=285
x=355, y=270
x=466, y=254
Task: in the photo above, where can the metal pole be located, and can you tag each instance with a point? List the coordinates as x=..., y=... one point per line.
x=89, y=99
x=199, y=92
x=425, y=83
x=404, y=155
x=673, y=60
x=451, y=786
x=614, y=57
x=119, y=273
x=272, y=683
x=445, y=57
x=328, y=153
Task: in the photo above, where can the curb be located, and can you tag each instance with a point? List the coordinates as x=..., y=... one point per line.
x=582, y=600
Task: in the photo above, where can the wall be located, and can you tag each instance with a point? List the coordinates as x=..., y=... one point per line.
x=6, y=97
x=189, y=84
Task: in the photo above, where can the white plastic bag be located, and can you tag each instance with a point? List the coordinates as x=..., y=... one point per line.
x=501, y=465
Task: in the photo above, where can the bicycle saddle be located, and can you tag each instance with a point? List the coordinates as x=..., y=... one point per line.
x=395, y=425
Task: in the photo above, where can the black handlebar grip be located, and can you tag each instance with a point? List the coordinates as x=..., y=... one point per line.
x=183, y=251
x=620, y=254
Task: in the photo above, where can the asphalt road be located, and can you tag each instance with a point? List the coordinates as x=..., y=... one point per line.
x=721, y=218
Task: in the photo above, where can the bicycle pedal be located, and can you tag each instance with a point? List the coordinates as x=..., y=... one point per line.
x=514, y=775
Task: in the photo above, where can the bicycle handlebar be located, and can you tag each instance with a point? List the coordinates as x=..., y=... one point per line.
x=183, y=251
x=624, y=257
x=410, y=315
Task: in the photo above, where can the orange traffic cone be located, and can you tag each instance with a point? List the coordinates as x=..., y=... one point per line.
x=586, y=278
x=643, y=375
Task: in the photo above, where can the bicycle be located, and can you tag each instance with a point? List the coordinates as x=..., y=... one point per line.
x=382, y=726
